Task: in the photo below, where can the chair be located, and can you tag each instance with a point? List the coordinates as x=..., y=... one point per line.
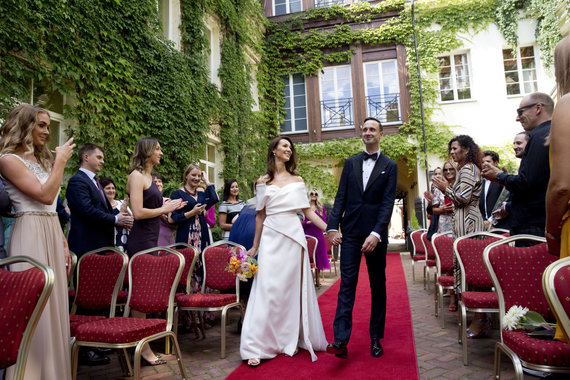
x=330, y=255
x=418, y=250
x=152, y=286
x=312, y=244
x=517, y=276
x=430, y=260
x=20, y=310
x=215, y=259
x=556, y=286
x=500, y=231
x=474, y=274
x=443, y=248
x=100, y=273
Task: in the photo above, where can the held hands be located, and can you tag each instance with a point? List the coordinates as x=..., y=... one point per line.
x=64, y=152
x=335, y=237
x=369, y=244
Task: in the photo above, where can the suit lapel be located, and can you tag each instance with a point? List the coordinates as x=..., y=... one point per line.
x=357, y=170
x=105, y=202
x=379, y=167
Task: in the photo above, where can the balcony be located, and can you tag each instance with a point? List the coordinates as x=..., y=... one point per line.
x=337, y=113
x=385, y=108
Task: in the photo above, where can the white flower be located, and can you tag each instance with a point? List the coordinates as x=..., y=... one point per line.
x=513, y=317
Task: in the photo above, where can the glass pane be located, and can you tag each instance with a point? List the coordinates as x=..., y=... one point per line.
x=513, y=89
x=202, y=166
x=529, y=75
x=286, y=126
x=53, y=134
x=298, y=78
x=295, y=6
x=527, y=51
x=512, y=77
x=45, y=98
x=211, y=153
x=464, y=93
x=446, y=95
x=510, y=65
x=300, y=113
x=211, y=175
x=460, y=59
x=527, y=63
x=530, y=87
x=444, y=61
x=508, y=54
x=280, y=9
x=301, y=124
x=202, y=153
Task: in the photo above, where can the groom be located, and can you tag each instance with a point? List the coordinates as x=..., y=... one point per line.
x=362, y=207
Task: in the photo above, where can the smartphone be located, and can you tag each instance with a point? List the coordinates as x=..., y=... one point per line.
x=70, y=134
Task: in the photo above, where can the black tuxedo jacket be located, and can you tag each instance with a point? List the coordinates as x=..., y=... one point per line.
x=360, y=211
x=92, y=217
x=490, y=198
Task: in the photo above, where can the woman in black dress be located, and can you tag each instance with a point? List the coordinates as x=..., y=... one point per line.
x=147, y=207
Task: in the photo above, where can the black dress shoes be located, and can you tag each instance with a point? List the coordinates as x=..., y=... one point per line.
x=376, y=349
x=338, y=349
x=92, y=358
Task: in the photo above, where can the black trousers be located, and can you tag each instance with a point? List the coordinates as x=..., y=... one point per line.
x=351, y=256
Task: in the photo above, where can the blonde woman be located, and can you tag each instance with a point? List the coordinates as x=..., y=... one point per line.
x=33, y=184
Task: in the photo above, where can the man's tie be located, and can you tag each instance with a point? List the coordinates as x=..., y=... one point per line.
x=99, y=187
x=372, y=156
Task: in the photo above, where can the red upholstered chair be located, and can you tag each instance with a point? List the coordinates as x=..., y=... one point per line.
x=500, y=231
x=474, y=275
x=312, y=243
x=418, y=250
x=443, y=248
x=215, y=259
x=517, y=276
x=20, y=310
x=556, y=285
x=430, y=260
x=100, y=273
x=153, y=281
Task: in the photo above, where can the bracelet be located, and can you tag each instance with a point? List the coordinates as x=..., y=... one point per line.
x=550, y=235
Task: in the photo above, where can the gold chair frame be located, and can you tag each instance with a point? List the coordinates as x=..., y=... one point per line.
x=438, y=291
x=550, y=292
x=419, y=231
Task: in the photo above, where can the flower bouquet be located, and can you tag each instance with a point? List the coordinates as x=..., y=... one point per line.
x=240, y=264
x=519, y=317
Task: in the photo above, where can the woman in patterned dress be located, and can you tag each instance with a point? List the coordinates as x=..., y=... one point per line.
x=467, y=218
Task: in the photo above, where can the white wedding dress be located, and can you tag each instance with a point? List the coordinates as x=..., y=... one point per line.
x=282, y=312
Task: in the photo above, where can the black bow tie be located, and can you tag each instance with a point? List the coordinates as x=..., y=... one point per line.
x=372, y=156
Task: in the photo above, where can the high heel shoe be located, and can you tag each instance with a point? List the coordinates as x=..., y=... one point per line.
x=253, y=362
x=485, y=326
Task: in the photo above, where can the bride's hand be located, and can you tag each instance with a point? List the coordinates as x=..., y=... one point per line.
x=252, y=252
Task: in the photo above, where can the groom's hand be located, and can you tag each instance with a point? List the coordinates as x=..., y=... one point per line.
x=369, y=244
x=335, y=237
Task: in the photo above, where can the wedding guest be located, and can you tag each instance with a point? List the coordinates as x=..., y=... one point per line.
x=119, y=207
x=321, y=255
x=167, y=226
x=33, y=184
x=230, y=207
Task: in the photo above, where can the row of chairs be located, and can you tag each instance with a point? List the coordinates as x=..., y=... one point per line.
x=155, y=286
x=528, y=277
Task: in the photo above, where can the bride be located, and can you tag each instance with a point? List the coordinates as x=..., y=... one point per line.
x=282, y=312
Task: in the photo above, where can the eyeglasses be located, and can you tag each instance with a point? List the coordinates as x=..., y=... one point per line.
x=315, y=194
x=449, y=170
x=521, y=110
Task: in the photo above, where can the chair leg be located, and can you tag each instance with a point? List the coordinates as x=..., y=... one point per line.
x=436, y=301
x=440, y=295
x=499, y=346
x=178, y=355
x=202, y=326
x=125, y=362
x=413, y=272
x=462, y=322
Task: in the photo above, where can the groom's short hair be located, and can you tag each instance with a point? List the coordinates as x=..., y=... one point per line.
x=87, y=149
x=374, y=119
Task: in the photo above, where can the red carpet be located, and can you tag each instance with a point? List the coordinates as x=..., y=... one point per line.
x=398, y=361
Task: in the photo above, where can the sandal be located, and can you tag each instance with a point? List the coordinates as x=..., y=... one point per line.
x=158, y=361
x=452, y=307
x=253, y=362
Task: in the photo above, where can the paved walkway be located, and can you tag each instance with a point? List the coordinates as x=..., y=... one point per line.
x=438, y=353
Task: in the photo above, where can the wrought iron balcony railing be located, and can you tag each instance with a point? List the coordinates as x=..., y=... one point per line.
x=385, y=108
x=327, y=3
x=337, y=113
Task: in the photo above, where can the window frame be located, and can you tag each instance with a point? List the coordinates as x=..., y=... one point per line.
x=453, y=77
x=520, y=70
x=382, y=93
x=287, y=7
x=292, y=106
x=340, y=128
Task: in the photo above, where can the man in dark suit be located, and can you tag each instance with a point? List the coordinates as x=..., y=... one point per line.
x=92, y=219
x=362, y=208
x=491, y=194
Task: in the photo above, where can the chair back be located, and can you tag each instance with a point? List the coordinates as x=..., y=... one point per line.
x=500, y=231
x=443, y=249
x=517, y=274
x=329, y=245
x=556, y=286
x=469, y=252
x=153, y=281
x=428, y=246
x=312, y=243
x=100, y=273
x=418, y=246
x=191, y=255
x=22, y=299
x=215, y=260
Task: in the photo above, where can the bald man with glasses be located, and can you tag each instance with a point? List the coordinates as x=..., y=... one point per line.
x=528, y=187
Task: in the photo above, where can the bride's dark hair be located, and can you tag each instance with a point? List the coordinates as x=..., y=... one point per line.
x=290, y=165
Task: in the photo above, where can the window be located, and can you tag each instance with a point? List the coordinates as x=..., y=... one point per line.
x=42, y=96
x=295, y=104
x=327, y=3
x=281, y=7
x=336, y=97
x=454, y=83
x=382, y=90
x=208, y=162
x=520, y=71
